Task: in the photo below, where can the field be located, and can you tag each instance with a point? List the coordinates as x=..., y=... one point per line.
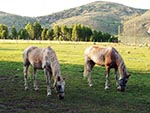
x=79, y=97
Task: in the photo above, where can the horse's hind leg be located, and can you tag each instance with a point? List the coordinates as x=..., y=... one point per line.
x=107, y=85
x=26, y=76
x=34, y=80
x=87, y=71
x=48, y=80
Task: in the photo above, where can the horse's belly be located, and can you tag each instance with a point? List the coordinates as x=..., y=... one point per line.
x=100, y=63
x=37, y=65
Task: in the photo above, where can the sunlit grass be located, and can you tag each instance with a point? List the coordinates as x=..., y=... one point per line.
x=79, y=97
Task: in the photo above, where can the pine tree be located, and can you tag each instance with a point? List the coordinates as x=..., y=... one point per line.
x=37, y=30
x=30, y=29
x=14, y=33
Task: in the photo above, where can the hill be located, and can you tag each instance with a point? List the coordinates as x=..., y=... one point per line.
x=139, y=24
x=100, y=15
x=14, y=20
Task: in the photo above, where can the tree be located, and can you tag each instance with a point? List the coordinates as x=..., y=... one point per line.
x=49, y=34
x=75, y=32
x=106, y=37
x=37, y=30
x=14, y=32
x=3, y=31
x=4, y=34
x=56, y=30
x=97, y=36
x=23, y=34
x=30, y=29
x=63, y=31
x=69, y=34
x=43, y=34
x=86, y=33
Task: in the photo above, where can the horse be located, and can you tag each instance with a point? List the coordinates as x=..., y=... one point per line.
x=44, y=59
x=110, y=58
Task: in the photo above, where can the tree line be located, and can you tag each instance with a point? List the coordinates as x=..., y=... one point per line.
x=76, y=32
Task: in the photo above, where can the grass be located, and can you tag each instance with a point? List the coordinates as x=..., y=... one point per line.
x=79, y=97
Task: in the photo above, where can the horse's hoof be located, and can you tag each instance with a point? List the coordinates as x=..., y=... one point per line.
x=36, y=89
x=90, y=85
x=106, y=88
x=49, y=94
x=26, y=88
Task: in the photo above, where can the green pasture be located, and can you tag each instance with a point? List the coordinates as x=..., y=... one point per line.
x=79, y=97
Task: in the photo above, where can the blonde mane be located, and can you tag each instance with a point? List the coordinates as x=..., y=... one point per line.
x=52, y=59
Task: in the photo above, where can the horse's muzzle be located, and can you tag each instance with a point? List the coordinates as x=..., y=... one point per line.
x=122, y=89
x=61, y=96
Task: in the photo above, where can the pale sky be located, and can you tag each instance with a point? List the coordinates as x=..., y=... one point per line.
x=35, y=8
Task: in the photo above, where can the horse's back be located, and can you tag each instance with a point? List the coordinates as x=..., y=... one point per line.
x=96, y=54
x=33, y=55
x=26, y=53
x=101, y=56
x=27, y=50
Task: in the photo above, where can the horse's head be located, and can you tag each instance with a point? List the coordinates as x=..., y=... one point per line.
x=60, y=87
x=122, y=83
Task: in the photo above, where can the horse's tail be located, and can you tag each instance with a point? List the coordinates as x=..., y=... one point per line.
x=86, y=52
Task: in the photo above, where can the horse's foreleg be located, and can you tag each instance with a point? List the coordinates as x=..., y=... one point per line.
x=48, y=82
x=116, y=76
x=107, y=85
x=34, y=80
x=25, y=71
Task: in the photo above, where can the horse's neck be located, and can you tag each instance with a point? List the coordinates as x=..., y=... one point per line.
x=55, y=68
x=122, y=68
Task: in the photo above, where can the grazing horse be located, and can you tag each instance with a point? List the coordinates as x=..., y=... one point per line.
x=44, y=59
x=110, y=58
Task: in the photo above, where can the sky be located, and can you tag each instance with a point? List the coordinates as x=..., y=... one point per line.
x=34, y=8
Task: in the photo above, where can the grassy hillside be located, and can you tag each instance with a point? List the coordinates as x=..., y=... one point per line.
x=100, y=15
x=138, y=26
x=135, y=30
x=79, y=97
x=14, y=20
